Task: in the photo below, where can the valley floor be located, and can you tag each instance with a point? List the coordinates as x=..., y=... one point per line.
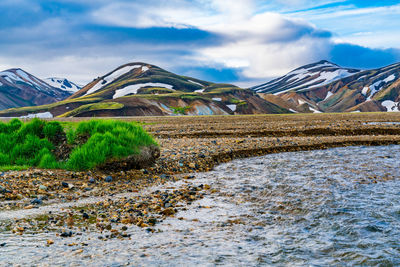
x=53, y=200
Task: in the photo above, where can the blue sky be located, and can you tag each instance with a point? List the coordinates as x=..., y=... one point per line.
x=241, y=41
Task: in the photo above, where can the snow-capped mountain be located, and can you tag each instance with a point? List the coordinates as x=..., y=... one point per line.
x=141, y=89
x=19, y=88
x=326, y=87
x=306, y=77
x=63, y=84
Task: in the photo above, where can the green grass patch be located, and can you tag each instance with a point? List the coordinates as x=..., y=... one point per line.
x=92, y=107
x=34, y=143
x=180, y=110
x=48, y=107
x=155, y=90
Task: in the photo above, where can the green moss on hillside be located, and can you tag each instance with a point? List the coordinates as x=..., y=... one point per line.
x=92, y=107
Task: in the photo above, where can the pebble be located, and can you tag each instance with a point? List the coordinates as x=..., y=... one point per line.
x=65, y=184
x=36, y=201
x=66, y=234
x=92, y=180
x=108, y=179
x=42, y=187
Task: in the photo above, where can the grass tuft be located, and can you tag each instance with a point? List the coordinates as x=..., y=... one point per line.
x=32, y=144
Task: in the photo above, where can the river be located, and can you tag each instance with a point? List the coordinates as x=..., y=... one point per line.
x=338, y=206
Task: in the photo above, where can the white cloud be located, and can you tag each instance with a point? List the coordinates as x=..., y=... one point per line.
x=381, y=22
x=260, y=43
x=263, y=45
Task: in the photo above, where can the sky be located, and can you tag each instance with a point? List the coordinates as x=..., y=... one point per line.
x=245, y=42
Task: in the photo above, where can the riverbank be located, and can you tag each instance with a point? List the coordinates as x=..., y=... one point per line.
x=188, y=144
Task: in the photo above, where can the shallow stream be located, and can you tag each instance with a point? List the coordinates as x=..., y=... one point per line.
x=329, y=207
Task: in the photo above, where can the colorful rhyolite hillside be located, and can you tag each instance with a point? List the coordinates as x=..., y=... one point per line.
x=326, y=87
x=139, y=89
x=19, y=89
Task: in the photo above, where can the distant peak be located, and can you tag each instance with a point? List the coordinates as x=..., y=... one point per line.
x=324, y=62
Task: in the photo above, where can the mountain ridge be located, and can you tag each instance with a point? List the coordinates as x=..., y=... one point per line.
x=63, y=84
x=356, y=90
x=140, y=89
x=19, y=88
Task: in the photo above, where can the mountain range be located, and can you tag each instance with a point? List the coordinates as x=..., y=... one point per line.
x=327, y=87
x=19, y=89
x=141, y=89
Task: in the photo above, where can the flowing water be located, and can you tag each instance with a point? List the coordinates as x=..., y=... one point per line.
x=331, y=207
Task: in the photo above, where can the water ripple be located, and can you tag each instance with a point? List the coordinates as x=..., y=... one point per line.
x=332, y=207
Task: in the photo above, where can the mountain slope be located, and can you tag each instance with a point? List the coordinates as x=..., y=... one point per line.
x=140, y=89
x=346, y=90
x=63, y=84
x=19, y=88
x=306, y=77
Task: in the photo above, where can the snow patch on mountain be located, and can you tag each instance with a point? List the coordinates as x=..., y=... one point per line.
x=16, y=77
x=42, y=115
x=314, y=110
x=306, y=78
x=324, y=78
x=391, y=106
x=232, y=107
x=195, y=83
x=390, y=78
x=112, y=77
x=132, y=89
x=328, y=95
x=63, y=84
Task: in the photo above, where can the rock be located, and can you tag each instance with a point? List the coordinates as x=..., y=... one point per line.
x=3, y=244
x=50, y=242
x=108, y=179
x=36, y=201
x=152, y=221
x=145, y=158
x=192, y=165
x=85, y=215
x=92, y=180
x=66, y=234
x=42, y=187
x=64, y=184
x=168, y=211
x=2, y=189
